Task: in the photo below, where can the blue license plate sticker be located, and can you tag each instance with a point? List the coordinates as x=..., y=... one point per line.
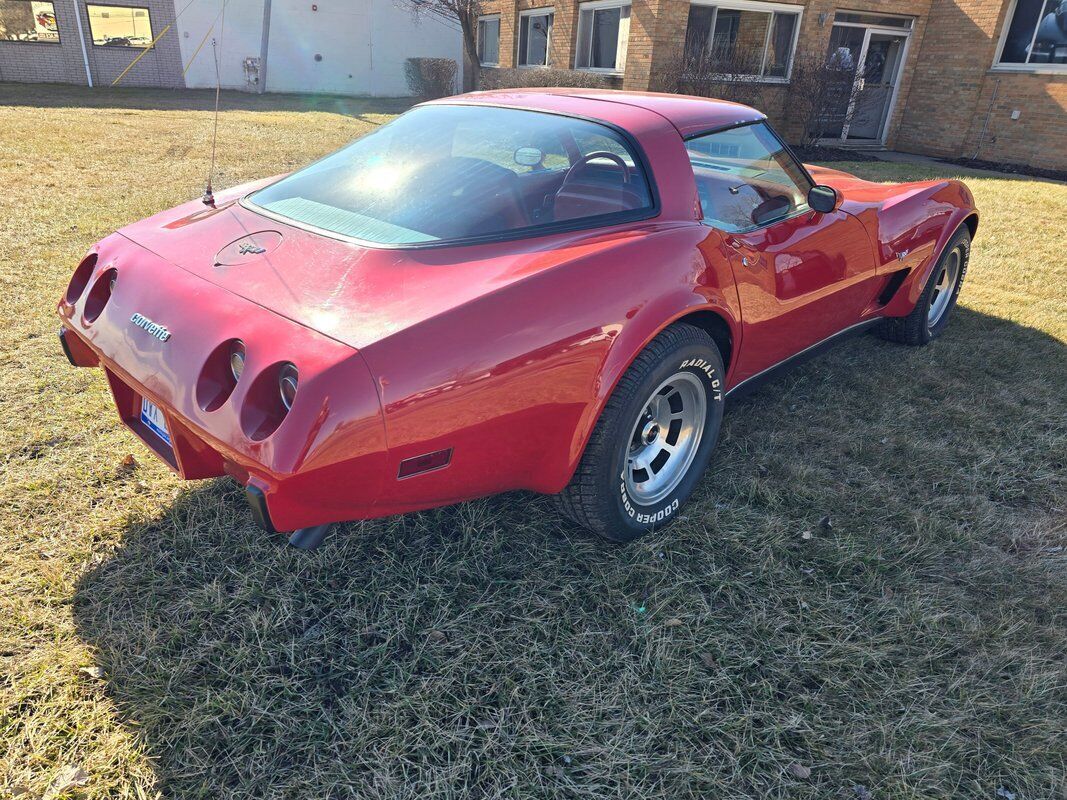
x=152, y=417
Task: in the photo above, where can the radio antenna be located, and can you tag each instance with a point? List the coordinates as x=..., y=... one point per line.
x=209, y=196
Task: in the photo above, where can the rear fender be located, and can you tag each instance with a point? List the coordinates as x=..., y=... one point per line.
x=715, y=294
x=514, y=381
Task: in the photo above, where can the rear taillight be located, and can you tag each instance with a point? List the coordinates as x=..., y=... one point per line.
x=268, y=399
x=99, y=294
x=220, y=374
x=80, y=279
x=287, y=382
x=237, y=359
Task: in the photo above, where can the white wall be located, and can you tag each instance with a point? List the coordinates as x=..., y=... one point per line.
x=240, y=39
x=362, y=43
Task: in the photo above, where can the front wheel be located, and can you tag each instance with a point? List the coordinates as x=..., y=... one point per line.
x=653, y=440
x=931, y=313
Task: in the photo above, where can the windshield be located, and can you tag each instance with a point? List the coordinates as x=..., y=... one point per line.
x=442, y=173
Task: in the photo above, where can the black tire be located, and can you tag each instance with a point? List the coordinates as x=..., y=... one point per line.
x=916, y=329
x=597, y=496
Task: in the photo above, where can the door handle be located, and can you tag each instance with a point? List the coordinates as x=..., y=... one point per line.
x=748, y=259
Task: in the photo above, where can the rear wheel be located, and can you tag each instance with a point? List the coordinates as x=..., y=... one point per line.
x=931, y=313
x=653, y=440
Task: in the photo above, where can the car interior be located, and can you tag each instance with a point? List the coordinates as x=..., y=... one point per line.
x=467, y=177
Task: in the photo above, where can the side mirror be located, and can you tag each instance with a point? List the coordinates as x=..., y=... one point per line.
x=822, y=199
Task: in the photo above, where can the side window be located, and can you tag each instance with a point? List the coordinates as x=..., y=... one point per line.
x=598, y=143
x=746, y=179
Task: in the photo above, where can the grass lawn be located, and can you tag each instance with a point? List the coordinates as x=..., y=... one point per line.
x=152, y=638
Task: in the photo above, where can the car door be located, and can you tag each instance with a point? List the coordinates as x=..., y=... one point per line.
x=801, y=275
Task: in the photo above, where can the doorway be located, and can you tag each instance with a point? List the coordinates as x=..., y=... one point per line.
x=867, y=52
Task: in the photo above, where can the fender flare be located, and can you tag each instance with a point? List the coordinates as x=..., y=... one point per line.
x=958, y=220
x=627, y=346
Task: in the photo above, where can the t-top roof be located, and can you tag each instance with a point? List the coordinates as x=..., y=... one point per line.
x=690, y=115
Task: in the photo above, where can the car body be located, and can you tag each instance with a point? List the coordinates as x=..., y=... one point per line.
x=433, y=372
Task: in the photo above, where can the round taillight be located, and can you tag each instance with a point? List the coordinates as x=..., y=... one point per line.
x=237, y=359
x=267, y=399
x=99, y=294
x=287, y=383
x=80, y=279
x=219, y=376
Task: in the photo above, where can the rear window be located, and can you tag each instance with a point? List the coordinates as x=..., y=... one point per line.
x=450, y=173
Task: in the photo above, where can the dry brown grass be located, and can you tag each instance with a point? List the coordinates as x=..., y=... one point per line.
x=914, y=649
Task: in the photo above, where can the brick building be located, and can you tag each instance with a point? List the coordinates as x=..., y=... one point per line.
x=951, y=78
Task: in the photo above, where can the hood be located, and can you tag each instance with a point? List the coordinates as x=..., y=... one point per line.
x=354, y=294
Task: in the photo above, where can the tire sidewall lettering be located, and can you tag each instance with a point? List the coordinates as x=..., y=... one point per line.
x=654, y=515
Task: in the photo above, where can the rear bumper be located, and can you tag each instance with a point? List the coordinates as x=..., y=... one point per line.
x=277, y=501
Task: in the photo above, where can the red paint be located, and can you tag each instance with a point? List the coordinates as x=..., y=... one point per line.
x=502, y=353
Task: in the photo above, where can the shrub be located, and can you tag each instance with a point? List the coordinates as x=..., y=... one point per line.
x=817, y=93
x=519, y=78
x=430, y=78
x=717, y=75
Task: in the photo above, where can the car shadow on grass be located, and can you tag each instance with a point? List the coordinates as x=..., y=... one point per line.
x=866, y=585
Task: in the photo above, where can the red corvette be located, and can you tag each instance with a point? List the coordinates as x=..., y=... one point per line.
x=546, y=290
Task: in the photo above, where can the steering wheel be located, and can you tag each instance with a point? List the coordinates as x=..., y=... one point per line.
x=584, y=160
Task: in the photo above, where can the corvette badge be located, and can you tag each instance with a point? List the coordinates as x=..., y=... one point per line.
x=152, y=328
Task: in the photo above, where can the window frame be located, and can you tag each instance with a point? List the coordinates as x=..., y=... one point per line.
x=145, y=9
x=871, y=19
x=489, y=18
x=544, y=11
x=771, y=9
x=598, y=222
x=1035, y=69
x=59, y=33
x=584, y=35
x=789, y=154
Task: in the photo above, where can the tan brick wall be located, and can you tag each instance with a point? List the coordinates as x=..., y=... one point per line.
x=954, y=87
x=657, y=38
x=1037, y=138
x=944, y=90
x=564, y=29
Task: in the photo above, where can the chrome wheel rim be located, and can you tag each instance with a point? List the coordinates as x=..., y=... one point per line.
x=665, y=438
x=946, y=283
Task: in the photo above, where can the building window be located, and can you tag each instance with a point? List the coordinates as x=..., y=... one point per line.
x=26, y=21
x=119, y=26
x=489, y=41
x=743, y=39
x=603, y=31
x=1035, y=36
x=535, y=36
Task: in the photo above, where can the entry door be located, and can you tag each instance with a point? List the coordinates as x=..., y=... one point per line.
x=869, y=61
x=882, y=59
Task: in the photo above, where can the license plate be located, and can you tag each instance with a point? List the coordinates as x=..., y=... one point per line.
x=153, y=419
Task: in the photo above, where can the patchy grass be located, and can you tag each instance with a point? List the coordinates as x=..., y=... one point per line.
x=912, y=647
